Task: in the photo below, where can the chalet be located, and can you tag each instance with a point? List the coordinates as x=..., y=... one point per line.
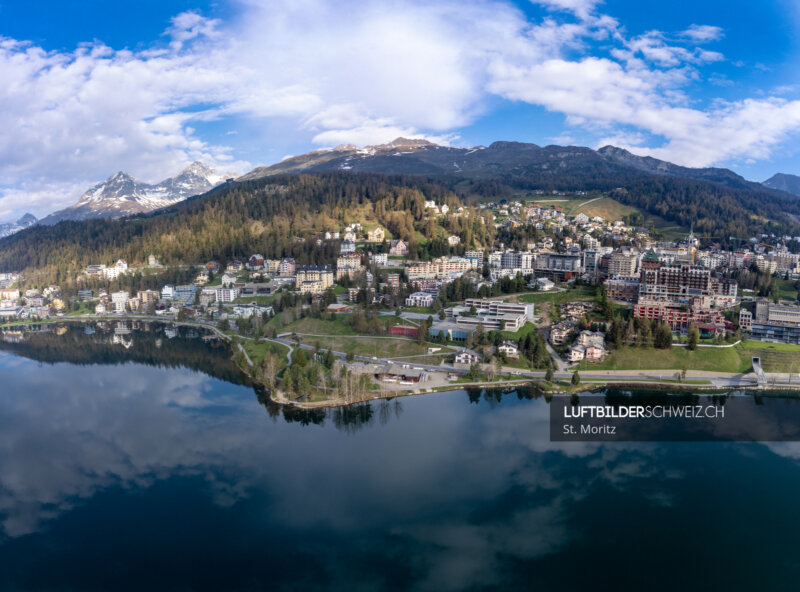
x=466, y=357
x=560, y=332
x=594, y=352
x=509, y=348
x=376, y=235
x=398, y=248
x=587, y=338
x=576, y=353
x=255, y=262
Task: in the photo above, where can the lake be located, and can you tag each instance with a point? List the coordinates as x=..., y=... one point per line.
x=136, y=457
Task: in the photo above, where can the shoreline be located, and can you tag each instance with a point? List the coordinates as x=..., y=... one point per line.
x=590, y=384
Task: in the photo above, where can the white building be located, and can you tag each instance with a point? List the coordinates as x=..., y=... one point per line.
x=245, y=311
x=227, y=294
x=466, y=357
x=420, y=299
x=509, y=348
x=167, y=292
x=118, y=301
x=120, y=268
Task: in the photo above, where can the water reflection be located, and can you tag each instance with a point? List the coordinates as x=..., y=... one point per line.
x=447, y=492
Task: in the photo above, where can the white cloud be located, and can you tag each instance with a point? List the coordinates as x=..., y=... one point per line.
x=190, y=25
x=580, y=8
x=362, y=76
x=703, y=33
x=603, y=93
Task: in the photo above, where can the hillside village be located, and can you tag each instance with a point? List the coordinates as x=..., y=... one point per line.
x=567, y=291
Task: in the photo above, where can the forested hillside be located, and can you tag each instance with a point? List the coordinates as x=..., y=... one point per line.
x=270, y=216
x=281, y=216
x=718, y=202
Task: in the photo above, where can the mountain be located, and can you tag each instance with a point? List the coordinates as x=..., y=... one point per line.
x=9, y=228
x=661, y=167
x=269, y=216
x=267, y=210
x=784, y=182
x=122, y=195
x=520, y=164
x=709, y=199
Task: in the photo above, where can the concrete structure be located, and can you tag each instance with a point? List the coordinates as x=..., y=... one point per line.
x=493, y=321
x=451, y=330
x=774, y=322
x=500, y=307
x=622, y=265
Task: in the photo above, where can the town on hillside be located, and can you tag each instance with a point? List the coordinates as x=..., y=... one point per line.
x=568, y=292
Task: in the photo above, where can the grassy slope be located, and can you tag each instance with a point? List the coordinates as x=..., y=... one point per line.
x=786, y=289
x=706, y=358
x=283, y=324
x=607, y=208
x=578, y=293
x=775, y=357
x=257, y=350
x=368, y=346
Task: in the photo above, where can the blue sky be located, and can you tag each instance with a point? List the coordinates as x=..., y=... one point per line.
x=92, y=87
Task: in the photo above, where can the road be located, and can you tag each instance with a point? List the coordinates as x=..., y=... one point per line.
x=586, y=203
x=561, y=365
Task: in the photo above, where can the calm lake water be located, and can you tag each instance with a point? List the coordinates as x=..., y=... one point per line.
x=139, y=459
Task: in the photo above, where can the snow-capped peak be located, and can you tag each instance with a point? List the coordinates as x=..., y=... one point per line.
x=122, y=195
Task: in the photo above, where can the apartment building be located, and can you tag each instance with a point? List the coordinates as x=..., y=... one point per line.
x=313, y=279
